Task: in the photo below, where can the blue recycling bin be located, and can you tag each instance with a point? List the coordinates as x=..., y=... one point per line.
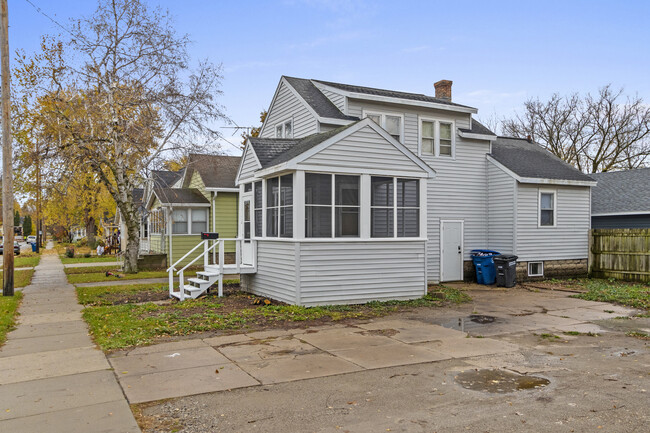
x=33, y=247
x=484, y=263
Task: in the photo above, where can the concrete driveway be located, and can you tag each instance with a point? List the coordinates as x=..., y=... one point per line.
x=423, y=351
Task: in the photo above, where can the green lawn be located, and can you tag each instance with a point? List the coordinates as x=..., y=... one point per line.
x=92, y=277
x=92, y=269
x=21, y=278
x=115, y=325
x=67, y=260
x=630, y=295
x=25, y=261
x=8, y=308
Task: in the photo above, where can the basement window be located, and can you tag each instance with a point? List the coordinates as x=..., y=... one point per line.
x=535, y=269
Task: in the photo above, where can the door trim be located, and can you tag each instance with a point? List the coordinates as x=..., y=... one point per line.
x=462, y=247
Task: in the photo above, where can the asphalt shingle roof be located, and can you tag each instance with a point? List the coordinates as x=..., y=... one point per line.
x=273, y=151
x=477, y=128
x=315, y=98
x=621, y=191
x=165, y=178
x=390, y=93
x=217, y=171
x=138, y=194
x=531, y=160
x=180, y=195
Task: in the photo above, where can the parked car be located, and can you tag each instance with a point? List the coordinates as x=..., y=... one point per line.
x=16, y=248
x=31, y=239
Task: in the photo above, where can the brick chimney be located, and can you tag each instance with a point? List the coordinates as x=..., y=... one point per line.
x=443, y=89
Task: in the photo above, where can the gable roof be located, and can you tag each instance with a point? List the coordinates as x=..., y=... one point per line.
x=621, y=192
x=216, y=171
x=531, y=161
x=180, y=196
x=138, y=195
x=477, y=128
x=273, y=151
x=420, y=97
x=316, y=99
x=165, y=178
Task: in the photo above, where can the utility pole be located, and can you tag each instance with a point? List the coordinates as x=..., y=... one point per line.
x=38, y=198
x=7, y=169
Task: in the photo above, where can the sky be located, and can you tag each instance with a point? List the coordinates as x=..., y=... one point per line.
x=497, y=53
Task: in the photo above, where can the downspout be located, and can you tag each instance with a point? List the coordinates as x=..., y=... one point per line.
x=214, y=224
x=169, y=231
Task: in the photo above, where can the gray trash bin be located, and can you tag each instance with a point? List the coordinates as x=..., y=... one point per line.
x=506, y=266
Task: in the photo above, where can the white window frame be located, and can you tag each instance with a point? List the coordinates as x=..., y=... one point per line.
x=333, y=206
x=436, y=140
x=189, y=221
x=539, y=208
x=279, y=205
x=395, y=207
x=283, y=127
x=383, y=114
x=541, y=267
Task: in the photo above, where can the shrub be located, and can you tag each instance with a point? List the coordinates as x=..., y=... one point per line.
x=69, y=252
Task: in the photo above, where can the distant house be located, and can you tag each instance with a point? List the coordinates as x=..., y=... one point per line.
x=203, y=199
x=352, y=194
x=621, y=200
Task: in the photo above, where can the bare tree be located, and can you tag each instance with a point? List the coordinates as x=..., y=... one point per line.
x=125, y=96
x=594, y=133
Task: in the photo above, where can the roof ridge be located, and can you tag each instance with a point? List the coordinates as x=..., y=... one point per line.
x=371, y=88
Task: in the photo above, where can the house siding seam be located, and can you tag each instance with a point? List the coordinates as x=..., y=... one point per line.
x=248, y=165
x=287, y=105
x=364, y=149
x=501, y=193
x=276, y=272
x=359, y=272
x=568, y=240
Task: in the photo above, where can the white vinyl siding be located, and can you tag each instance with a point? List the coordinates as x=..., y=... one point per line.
x=569, y=238
x=359, y=272
x=501, y=210
x=285, y=107
x=363, y=149
x=276, y=272
x=337, y=99
x=248, y=165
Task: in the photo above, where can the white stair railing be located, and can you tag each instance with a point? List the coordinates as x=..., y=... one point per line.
x=181, y=277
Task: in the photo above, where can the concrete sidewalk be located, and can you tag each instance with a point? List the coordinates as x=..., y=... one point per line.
x=52, y=377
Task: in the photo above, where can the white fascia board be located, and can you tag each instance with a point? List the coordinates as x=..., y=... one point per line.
x=392, y=100
x=477, y=136
x=539, y=180
x=332, y=121
x=233, y=189
x=620, y=213
x=243, y=156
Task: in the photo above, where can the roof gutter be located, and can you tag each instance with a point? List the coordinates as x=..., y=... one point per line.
x=475, y=136
x=540, y=180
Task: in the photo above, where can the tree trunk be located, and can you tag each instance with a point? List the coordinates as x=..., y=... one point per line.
x=91, y=231
x=132, y=244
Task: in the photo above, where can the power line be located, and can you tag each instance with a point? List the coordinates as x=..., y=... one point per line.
x=40, y=11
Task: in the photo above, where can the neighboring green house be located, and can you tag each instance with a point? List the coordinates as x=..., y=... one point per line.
x=204, y=200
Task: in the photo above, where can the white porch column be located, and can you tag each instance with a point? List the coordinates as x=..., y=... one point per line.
x=364, y=209
x=299, y=205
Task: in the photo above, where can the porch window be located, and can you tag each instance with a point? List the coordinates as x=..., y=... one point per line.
x=199, y=220
x=347, y=206
x=408, y=208
x=382, y=207
x=179, y=221
x=258, y=208
x=546, y=209
x=156, y=221
x=279, y=206
x=318, y=205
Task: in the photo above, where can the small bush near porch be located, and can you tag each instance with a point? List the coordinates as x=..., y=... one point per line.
x=135, y=315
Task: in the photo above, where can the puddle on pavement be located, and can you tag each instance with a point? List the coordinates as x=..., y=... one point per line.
x=498, y=381
x=482, y=319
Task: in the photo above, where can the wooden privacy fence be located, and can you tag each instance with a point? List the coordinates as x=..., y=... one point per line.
x=623, y=254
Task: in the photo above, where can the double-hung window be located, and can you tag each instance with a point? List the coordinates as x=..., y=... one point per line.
x=284, y=129
x=547, y=208
x=332, y=205
x=199, y=220
x=392, y=123
x=437, y=138
x=279, y=206
x=394, y=205
x=179, y=221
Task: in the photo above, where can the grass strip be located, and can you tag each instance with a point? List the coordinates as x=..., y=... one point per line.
x=93, y=277
x=21, y=278
x=68, y=260
x=622, y=293
x=8, y=312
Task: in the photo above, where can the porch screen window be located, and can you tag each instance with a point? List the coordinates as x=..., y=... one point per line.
x=279, y=206
x=179, y=221
x=318, y=205
x=382, y=207
x=258, y=208
x=547, y=209
x=408, y=208
x=347, y=206
x=199, y=221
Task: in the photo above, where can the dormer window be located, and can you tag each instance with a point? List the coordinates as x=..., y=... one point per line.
x=392, y=123
x=437, y=138
x=284, y=129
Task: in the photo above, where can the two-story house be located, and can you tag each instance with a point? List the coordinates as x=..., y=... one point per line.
x=352, y=194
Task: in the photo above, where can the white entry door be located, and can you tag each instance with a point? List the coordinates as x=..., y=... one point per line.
x=247, y=245
x=451, y=256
